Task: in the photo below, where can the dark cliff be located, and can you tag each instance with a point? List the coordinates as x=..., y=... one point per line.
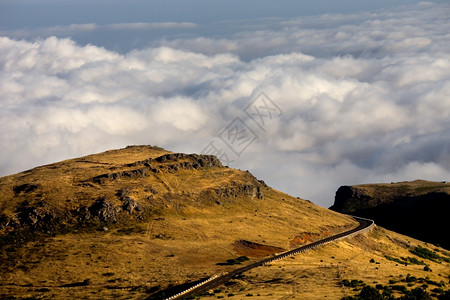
x=419, y=209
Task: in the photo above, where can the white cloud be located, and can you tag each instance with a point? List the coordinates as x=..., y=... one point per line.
x=363, y=97
x=183, y=114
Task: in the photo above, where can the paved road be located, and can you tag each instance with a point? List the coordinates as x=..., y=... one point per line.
x=363, y=224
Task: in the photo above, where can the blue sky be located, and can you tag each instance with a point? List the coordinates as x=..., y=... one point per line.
x=358, y=89
x=19, y=13
x=208, y=15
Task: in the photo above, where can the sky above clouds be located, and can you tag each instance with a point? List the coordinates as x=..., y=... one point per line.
x=327, y=94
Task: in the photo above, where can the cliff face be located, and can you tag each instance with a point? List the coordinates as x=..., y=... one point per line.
x=350, y=199
x=418, y=209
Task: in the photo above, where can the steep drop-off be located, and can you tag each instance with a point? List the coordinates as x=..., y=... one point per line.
x=419, y=209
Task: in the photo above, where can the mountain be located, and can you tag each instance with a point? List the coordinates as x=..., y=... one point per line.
x=418, y=209
x=138, y=222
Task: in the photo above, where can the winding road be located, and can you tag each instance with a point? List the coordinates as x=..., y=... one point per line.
x=213, y=282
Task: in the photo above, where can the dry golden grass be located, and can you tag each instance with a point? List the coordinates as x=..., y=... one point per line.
x=184, y=239
x=60, y=181
x=190, y=247
x=318, y=273
x=188, y=232
x=406, y=188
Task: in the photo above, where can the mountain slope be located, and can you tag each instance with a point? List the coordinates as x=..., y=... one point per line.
x=418, y=209
x=344, y=268
x=129, y=222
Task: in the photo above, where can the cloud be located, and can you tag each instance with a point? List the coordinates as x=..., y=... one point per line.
x=363, y=98
x=414, y=29
x=183, y=114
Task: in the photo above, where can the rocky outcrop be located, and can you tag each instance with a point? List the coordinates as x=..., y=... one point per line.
x=35, y=216
x=349, y=199
x=136, y=173
x=253, y=189
x=235, y=190
x=170, y=163
x=25, y=188
x=129, y=204
x=45, y=218
x=417, y=211
x=91, y=192
x=195, y=161
x=104, y=210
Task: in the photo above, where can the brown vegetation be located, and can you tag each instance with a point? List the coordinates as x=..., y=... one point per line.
x=129, y=222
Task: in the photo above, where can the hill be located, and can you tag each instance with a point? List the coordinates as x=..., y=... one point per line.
x=138, y=222
x=418, y=209
x=129, y=222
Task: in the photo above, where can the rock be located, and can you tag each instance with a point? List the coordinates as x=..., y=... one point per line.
x=76, y=284
x=130, y=205
x=108, y=176
x=123, y=193
x=136, y=173
x=171, y=163
x=104, y=210
x=170, y=157
x=25, y=188
x=198, y=160
x=418, y=209
x=150, y=189
x=207, y=160
x=349, y=199
x=38, y=214
x=4, y=220
x=237, y=189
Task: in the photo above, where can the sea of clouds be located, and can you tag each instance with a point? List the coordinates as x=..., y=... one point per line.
x=362, y=97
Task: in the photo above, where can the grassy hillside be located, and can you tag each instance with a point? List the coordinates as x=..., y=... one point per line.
x=381, y=259
x=127, y=223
